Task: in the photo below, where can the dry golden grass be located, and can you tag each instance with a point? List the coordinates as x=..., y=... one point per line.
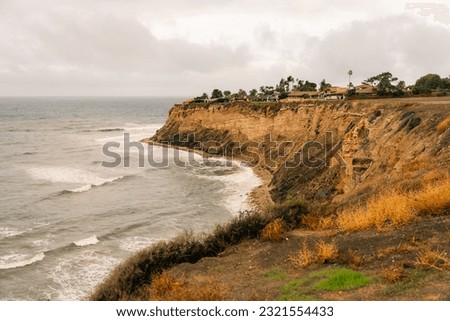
x=304, y=257
x=311, y=221
x=396, y=208
x=352, y=258
x=394, y=273
x=166, y=287
x=273, y=231
x=443, y=125
x=434, y=176
x=318, y=223
x=164, y=284
x=433, y=198
x=433, y=259
x=326, y=252
x=395, y=249
x=385, y=210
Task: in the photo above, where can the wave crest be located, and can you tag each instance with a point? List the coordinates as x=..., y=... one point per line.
x=22, y=262
x=92, y=240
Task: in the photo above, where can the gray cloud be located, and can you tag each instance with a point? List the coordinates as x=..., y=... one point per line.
x=137, y=47
x=68, y=46
x=405, y=45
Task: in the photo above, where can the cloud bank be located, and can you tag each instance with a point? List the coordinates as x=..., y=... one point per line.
x=118, y=47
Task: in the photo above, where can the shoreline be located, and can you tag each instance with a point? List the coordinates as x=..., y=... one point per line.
x=259, y=197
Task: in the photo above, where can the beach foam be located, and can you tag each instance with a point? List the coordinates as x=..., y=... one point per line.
x=75, y=277
x=87, y=241
x=132, y=244
x=238, y=184
x=64, y=175
x=13, y=261
x=71, y=176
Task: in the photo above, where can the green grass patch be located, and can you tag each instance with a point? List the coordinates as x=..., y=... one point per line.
x=326, y=279
x=276, y=274
x=343, y=279
x=295, y=291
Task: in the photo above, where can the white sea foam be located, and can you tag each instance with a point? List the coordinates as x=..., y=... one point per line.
x=87, y=241
x=238, y=186
x=83, y=188
x=132, y=244
x=75, y=277
x=12, y=261
x=64, y=175
x=42, y=244
x=72, y=176
x=87, y=187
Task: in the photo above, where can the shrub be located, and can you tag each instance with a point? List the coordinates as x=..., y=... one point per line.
x=326, y=252
x=128, y=280
x=273, y=231
x=291, y=211
x=316, y=222
x=433, y=259
x=166, y=287
x=352, y=258
x=304, y=258
x=394, y=273
x=164, y=284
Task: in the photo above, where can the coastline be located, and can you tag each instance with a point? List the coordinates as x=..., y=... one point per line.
x=258, y=199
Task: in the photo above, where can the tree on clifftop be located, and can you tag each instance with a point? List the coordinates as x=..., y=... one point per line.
x=324, y=85
x=384, y=85
x=242, y=94
x=306, y=86
x=426, y=84
x=216, y=93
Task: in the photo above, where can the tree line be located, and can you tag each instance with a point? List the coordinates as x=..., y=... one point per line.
x=385, y=83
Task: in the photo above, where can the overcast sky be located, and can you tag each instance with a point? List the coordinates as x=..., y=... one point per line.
x=184, y=48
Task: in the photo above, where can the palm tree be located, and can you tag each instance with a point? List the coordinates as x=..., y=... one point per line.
x=350, y=73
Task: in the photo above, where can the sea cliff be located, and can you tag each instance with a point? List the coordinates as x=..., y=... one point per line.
x=323, y=151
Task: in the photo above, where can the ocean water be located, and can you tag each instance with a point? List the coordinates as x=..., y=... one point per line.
x=66, y=219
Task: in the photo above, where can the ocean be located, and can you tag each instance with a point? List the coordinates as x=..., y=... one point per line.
x=68, y=216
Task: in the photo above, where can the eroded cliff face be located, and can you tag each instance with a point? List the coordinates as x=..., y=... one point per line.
x=319, y=150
